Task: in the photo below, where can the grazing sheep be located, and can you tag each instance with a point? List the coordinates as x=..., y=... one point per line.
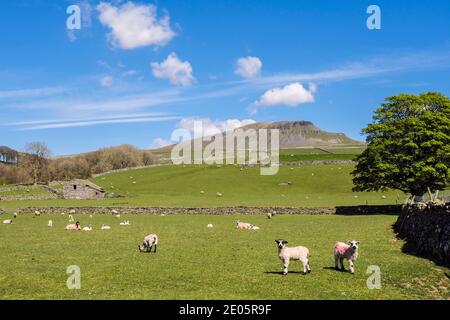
x=9, y=221
x=37, y=213
x=219, y=194
x=63, y=213
x=71, y=218
x=269, y=215
x=50, y=223
x=296, y=253
x=88, y=228
x=73, y=226
x=114, y=211
x=149, y=241
x=105, y=227
x=72, y=211
x=125, y=223
x=209, y=225
x=15, y=215
x=348, y=251
x=90, y=216
x=202, y=192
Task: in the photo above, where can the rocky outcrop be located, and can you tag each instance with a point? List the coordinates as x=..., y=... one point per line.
x=426, y=230
x=350, y=210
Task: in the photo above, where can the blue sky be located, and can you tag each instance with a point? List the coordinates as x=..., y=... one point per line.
x=138, y=70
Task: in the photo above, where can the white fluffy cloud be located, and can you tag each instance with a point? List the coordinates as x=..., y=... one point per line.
x=210, y=127
x=290, y=95
x=178, y=72
x=248, y=67
x=134, y=26
x=106, y=81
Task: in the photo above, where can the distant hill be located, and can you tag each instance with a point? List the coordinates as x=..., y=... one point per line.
x=295, y=134
x=298, y=134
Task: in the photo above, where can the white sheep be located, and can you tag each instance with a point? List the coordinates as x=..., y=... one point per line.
x=269, y=215
x=72, y=211
x=9, y=221
x=73, y=226
x=348, y=251
x=295, y=253
x=147, y=244
x=105, y=227
x=71, y=218
x=37, y=213
x=50, y=223
x=209, y=225
x=243, y=225
x=15, y=215
x=219, y=194
x=125, y=223
x=88, y=228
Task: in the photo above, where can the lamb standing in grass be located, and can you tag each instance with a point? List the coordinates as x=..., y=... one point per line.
x=9, y=221
x=296, y=253
x=105, y=227
x=50, y=223
x=269, y=215
x=149, y=241
x=88, y=228
x=348, y=251
x=71, y=218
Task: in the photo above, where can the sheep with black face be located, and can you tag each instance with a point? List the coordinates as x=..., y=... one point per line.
x=149, y=241
x=295, y=253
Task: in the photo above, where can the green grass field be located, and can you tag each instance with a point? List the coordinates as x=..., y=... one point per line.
x=179, y=186
x=194, y=262
x=325, y=153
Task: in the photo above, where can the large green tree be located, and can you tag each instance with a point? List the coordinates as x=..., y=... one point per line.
x=408, y=146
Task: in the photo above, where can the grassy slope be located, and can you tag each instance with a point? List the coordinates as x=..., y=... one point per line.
x=222, y=263
x=181, y=186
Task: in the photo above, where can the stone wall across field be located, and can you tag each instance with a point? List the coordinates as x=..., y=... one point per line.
x=426, y=230
x=350, y=210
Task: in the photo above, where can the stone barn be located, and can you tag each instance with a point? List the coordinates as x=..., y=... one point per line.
x=82, y=189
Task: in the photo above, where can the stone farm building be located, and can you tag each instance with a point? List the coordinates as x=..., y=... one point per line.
x=82, y=189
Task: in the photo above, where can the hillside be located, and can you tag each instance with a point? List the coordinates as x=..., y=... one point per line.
x=299, y=140
x=309, y=185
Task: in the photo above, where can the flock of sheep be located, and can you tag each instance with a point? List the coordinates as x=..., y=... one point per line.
x=341, y=250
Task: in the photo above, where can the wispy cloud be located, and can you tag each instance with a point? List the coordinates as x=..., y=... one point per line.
x=139, y=98
x=32, y=93
x=79, y=122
